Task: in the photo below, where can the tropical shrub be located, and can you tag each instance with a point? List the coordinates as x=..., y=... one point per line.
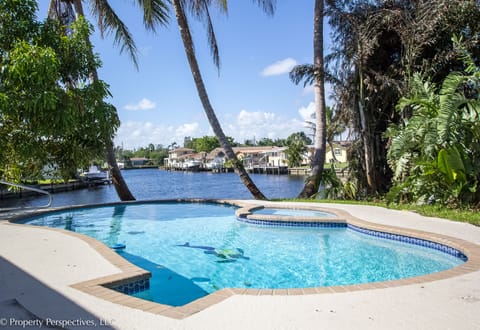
x=52, y=114
x=334, y=188
x=434, y=150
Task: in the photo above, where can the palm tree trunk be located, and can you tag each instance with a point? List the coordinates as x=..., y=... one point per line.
x=121, y=187
x=119, y=183
x=313, y=182
x=202, y=93
x=368, y=151
x=365, y=131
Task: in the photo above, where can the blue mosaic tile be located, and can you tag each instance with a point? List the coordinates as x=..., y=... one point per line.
x=396, y=237
x=411, y=240
x=278, y=223
x=133, y=287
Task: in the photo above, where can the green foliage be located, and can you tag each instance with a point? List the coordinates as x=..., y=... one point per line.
x=378, y=45
x=334, y=188
x=296, y=149
x=17, y=22
x=298, y=136
x=435, y=151
x=270, y=142
x=205, y=143
x=51, y=113
x=156, y=154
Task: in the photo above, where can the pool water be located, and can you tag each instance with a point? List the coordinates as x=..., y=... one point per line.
x=294, y=212
x=193, y=249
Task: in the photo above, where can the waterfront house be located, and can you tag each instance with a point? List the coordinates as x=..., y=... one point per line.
x=267, y=156
x=339, y=154
x=176, y=157
x=252, y=157
x=340, y=149
x=215, y=159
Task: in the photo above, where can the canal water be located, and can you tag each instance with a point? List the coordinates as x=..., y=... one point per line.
x=149, y=184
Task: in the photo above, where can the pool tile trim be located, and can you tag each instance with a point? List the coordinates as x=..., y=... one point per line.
x=106, y=287
x=248, y=215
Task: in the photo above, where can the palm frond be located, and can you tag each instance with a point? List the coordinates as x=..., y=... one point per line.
x=199, y=9
x=108, y=22
x=212, y=39
x=305, y=72
x=268, y=6
x=155, y=12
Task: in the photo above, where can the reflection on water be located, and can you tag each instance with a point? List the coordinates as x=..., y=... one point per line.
x=150, y=184
x=116, y=224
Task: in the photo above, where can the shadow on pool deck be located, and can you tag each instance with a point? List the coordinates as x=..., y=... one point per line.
x=25, y=298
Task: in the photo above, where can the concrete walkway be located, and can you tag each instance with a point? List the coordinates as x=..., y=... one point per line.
x=38, y=267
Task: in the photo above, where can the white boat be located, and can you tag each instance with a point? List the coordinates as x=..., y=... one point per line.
x=94, y=173
x=192, y=165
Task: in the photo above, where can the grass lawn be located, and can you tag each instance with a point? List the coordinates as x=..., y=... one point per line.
x=461, y=215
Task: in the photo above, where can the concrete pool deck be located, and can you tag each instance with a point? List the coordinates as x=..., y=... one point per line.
x=38, y=268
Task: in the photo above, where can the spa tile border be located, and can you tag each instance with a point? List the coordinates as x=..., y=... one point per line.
x=247, y=215
x=103, y=287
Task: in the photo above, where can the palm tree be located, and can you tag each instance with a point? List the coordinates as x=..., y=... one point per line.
x=200, y=9
x=155, y=12
x=315, y=74
x=378, y=46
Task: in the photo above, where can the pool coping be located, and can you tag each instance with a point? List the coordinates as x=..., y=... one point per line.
x=102, y=287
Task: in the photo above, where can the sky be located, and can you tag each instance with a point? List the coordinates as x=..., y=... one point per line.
x=251, y=94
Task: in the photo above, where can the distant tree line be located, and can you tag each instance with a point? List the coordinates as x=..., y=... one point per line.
x=296, y=145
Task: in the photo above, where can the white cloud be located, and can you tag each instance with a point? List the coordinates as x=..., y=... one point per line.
x=306, y=112
x=246, y=119
x=308, y=90
x=245, y=125
x=143, y=104
x=190, y=129
x=279, y=67
x=257, y=124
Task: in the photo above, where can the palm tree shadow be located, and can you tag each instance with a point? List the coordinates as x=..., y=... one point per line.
x=25, y=298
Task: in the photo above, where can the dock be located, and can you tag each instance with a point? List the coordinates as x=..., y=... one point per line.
x=299, y=171
x=259, y=169
x=54, y=188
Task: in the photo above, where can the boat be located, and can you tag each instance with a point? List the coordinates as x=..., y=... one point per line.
x=192, y=165
x=94, y=174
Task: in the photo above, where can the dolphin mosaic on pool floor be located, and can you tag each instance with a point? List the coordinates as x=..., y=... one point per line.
x=131, y=277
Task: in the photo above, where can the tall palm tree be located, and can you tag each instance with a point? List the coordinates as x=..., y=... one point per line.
x=335, y=126
x=315, y=74
x=154, y=12
x=200, y=9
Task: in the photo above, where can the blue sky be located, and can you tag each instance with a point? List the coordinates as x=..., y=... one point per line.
x=252, y=94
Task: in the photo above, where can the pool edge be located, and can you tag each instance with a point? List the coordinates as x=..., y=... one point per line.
x=99, y=287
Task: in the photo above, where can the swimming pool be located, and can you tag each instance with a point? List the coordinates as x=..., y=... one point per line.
x=193, y=249
x=292, y=212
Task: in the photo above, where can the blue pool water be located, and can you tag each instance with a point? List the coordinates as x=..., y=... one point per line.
x=293, y=212
x=193, y=249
